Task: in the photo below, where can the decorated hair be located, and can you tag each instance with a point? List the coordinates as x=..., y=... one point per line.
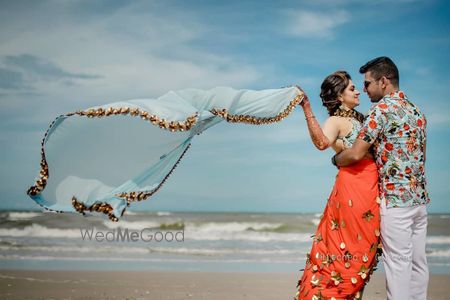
x=332, y=87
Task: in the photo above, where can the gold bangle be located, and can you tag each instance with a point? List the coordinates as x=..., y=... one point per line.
x=309, y=117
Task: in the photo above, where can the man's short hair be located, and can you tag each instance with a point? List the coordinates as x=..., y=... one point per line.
x=382, y=66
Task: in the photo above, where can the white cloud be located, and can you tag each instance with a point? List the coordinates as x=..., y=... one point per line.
x=135, y=53
x=132, y=52
x=315, y=24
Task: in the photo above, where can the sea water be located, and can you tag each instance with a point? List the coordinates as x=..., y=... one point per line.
x=180, y=241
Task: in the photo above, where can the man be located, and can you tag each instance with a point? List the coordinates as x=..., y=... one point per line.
x=397, y=130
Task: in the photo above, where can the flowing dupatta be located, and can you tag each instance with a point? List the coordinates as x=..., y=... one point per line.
x=106, y=157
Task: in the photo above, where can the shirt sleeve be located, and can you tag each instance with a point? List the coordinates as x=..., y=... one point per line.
x=374, y=123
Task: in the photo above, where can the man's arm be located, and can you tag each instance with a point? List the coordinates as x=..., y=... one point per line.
x=353, y=154
x=372, y=127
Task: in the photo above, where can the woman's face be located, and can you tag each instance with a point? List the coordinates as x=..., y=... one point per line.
x=350, y=96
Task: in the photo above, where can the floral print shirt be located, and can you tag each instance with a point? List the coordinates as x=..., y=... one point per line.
x=397, y=129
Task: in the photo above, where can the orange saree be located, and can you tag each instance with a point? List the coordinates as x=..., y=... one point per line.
x=345, y=245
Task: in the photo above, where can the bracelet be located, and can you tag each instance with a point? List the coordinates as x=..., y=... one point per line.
x=309, y=117
x=333, y=159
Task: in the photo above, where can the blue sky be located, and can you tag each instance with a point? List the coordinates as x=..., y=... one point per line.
x=61, y=56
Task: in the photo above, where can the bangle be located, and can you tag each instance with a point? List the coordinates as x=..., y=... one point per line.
x=309, y=117
x=333, y=159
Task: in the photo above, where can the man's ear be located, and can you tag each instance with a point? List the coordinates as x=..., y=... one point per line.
x=383, y=82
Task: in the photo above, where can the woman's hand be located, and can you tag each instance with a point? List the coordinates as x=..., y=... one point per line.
x=305, y=100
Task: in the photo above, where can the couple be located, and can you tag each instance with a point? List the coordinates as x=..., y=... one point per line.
x=380, y=191
x=345, y=245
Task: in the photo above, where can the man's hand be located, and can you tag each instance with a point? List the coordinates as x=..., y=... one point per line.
x=353, y=154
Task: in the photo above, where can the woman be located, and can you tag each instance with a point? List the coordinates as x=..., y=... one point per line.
x=345, y=244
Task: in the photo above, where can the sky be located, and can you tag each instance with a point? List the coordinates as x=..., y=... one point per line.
x=61, y=56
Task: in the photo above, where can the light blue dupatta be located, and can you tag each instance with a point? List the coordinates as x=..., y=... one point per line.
x=106, y=157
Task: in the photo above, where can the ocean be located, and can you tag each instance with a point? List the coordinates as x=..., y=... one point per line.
x=222, y=242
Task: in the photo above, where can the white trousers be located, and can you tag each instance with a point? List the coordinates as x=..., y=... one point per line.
x=403, y=235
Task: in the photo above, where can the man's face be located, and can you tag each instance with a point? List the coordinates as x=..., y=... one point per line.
x=372, y=87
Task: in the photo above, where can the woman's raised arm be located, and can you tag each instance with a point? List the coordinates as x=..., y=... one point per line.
x=321, y=138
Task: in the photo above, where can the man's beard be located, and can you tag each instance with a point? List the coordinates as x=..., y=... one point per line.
x=375, y=100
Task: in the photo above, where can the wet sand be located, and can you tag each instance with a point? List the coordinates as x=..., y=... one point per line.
x=173, y=285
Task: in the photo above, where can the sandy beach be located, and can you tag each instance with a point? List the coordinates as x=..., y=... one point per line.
x=172, y=285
